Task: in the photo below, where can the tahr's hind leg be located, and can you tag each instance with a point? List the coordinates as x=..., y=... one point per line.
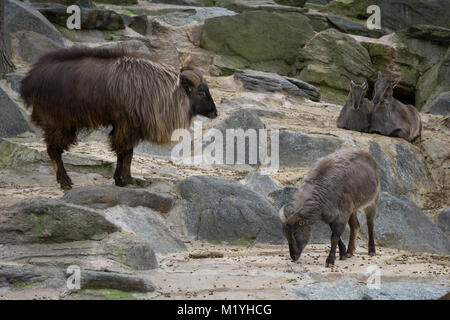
x=122, y=142
x=370, y=217
x=354, y=230
x=58, y=141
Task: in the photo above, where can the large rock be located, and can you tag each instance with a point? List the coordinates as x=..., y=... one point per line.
x=12, y=121
x=352, y=27
x=265, y=81
x=90, y=18
x=31, y=45
x=246, y=149
x=148, y=226
x=443, y=221
x=401, y=224
x=217, y=209
x=185, y=17
x=115, y=252
x=332, y=59
x=258, y=40
x=111, y=280
x=42, y=220
x=434, y=82
x=21, y=17
x=439, y=106
x=406, y=174
x=396, y=14
x=298, y=149
x=351, y=289
x=101, y=197
x=81, y=3
x=261, y=183
x=321, y=232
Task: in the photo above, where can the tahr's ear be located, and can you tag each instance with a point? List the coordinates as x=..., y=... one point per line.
x=189, y=80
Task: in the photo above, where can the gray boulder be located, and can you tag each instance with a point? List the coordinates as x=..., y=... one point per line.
x=265, y=81
x=406, y=175
x=401, y=224
x=443, y=221
x=101, y=197
x=217, y=209
x=90, y=18
x=112, y=280
x=351, y=27
x=440, y=106
x=21, y=17
x=148, y=226
x=261, y=183
x=12, y=275
x=185, y=17
x=32, y=45
x=14, y=80
x=13, y=122
x=298, y=149
x=351, y=289
x=244, y=152
x=42, y=220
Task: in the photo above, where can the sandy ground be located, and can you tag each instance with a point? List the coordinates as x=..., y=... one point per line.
x=263, y=272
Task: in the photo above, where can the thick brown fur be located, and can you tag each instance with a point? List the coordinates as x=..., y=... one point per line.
x=77, y=88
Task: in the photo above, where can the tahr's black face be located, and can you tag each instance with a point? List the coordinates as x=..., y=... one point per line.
x=202, y=103
x=298, y=236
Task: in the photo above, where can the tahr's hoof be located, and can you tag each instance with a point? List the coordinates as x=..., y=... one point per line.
x=372, y=253
x=343, y=257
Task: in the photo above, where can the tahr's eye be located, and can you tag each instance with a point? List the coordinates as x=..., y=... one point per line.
x=301, y=223
x=202, y=94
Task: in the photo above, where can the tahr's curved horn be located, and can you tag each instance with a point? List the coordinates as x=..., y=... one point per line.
x=282, y=215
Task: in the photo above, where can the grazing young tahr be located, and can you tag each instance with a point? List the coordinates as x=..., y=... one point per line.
x=72, y=89
x=336, y=187
x=355, y=115
x=390, y=117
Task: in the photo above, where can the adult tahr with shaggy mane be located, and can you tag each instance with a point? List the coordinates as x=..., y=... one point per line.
x=77, y=88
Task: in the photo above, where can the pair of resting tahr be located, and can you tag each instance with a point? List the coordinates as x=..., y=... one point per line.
x=141, y=99
x=383, y=115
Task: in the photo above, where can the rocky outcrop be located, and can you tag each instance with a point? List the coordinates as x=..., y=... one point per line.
x=272, y=82
x=217, y=209
x=146, y=225
x=258, y=40
x=32, y=45
x=181, y=17
x=439, y=106
x=332, y=59
x=443, y=221
x=21, y=17
x=90, y=18
x=351, y=289
x=42, y=220
x=13, y=121
x=103, y=197
x=261, y=183
x=401, y=224
x=395, y=15
x=298, y=149
x=111, y=280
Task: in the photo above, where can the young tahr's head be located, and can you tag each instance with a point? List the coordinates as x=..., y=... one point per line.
x=383, y=89
x=296, y=230
x=357, y=93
